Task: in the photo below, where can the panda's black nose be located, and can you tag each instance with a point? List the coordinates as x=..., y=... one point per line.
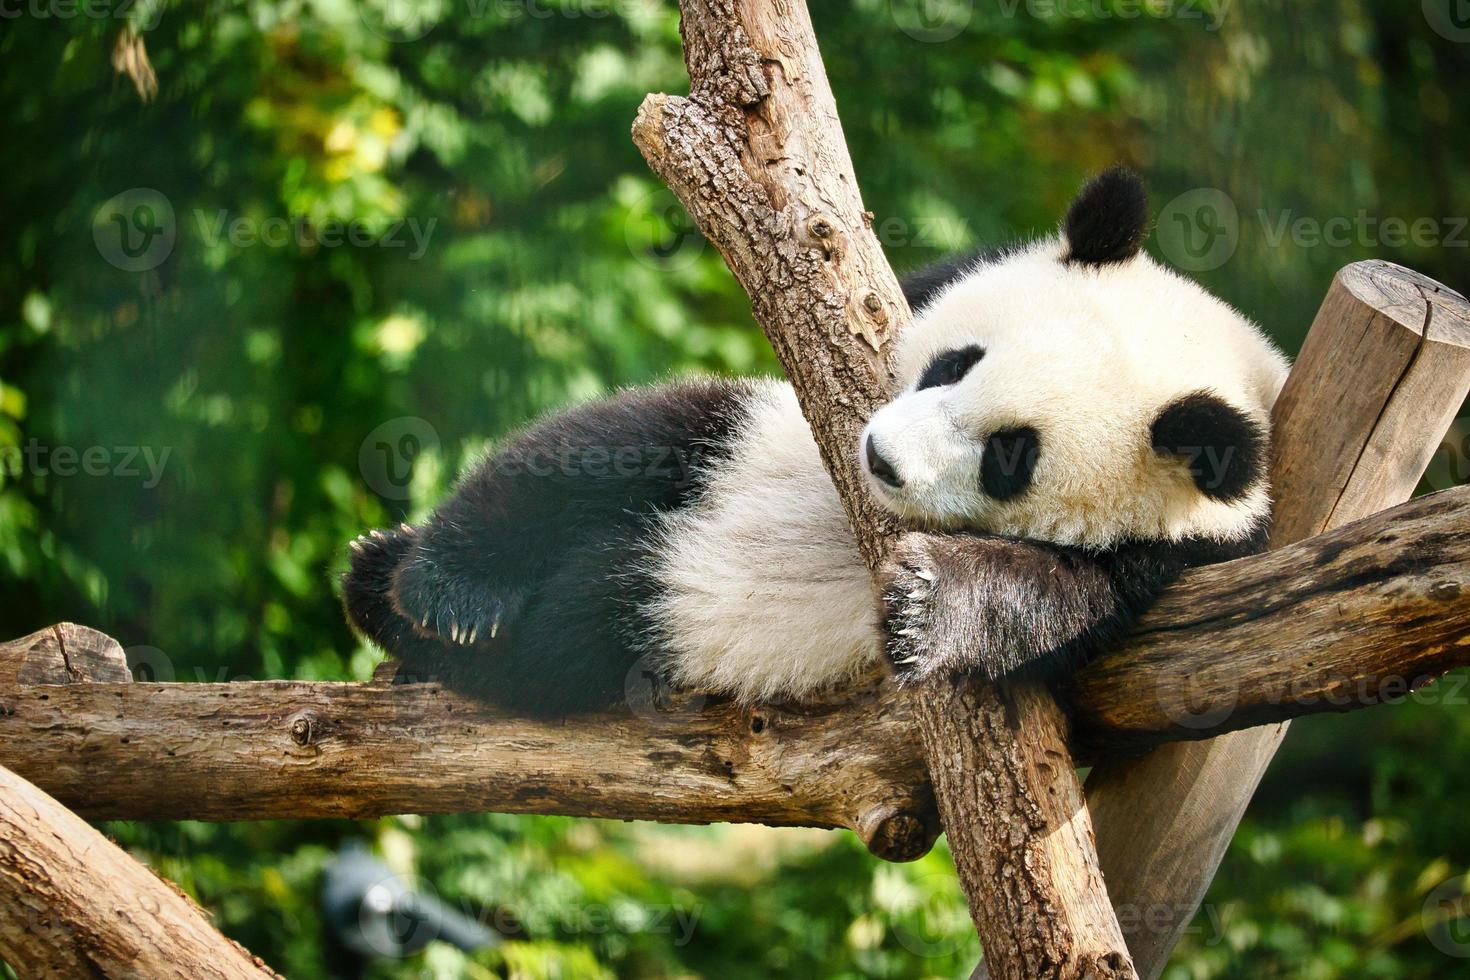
x=880, y=467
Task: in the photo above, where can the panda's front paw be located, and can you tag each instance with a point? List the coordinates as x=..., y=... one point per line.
x=911, y=581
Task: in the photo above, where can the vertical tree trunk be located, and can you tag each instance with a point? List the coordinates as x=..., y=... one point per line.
x=756, y=154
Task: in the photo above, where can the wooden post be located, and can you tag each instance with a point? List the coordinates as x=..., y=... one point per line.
x=1382, y=373
x=72, y=903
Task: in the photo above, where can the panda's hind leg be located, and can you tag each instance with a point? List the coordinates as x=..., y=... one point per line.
x=444, y=594
x=367, y=586
x=568, y=649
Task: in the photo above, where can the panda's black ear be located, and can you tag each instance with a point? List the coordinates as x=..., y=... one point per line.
x=1108, y=221
x=1224, y=448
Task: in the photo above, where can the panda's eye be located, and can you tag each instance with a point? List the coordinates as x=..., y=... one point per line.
x=949, y=367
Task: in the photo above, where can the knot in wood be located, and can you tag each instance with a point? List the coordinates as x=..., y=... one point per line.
x=1444, y=591
x=303, y=729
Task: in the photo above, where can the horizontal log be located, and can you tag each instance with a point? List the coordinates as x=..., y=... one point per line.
x=1341, y=621
x=1359, y=616
x=282, y=749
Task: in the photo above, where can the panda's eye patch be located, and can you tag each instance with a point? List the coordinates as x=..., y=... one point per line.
x=949, y=367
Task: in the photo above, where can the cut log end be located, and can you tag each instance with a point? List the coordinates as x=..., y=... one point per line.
x=899, y=835
x=63, y=654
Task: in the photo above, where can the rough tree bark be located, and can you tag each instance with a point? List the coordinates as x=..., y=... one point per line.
x=757, y=155
x=1341, y=621
x=74, y=904
x=1380, y=377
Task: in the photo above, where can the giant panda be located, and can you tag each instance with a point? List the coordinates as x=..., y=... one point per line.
x=1075, y=424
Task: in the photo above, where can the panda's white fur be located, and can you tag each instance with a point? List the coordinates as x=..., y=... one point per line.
x=794, y=613
x=1086, y=354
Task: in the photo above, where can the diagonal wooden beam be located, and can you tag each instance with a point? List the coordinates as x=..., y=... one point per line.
x=74, y=904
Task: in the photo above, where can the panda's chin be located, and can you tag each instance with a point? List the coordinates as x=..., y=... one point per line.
x=918, y=511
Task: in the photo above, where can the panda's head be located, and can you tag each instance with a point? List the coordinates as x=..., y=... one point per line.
x=1075, y=391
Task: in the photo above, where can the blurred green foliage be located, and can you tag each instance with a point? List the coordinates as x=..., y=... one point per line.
x=358, y=240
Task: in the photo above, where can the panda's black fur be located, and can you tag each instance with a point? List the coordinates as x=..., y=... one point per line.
x=530, y=585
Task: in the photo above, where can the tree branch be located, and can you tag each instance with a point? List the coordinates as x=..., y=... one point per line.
x=1357, y=617
x=1349, y=619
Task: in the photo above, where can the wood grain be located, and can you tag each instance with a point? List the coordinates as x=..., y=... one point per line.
x=1356, y=617
x=1383, y=371
x=73, y=904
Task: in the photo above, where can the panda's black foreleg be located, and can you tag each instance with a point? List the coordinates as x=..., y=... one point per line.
x=976, y=604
